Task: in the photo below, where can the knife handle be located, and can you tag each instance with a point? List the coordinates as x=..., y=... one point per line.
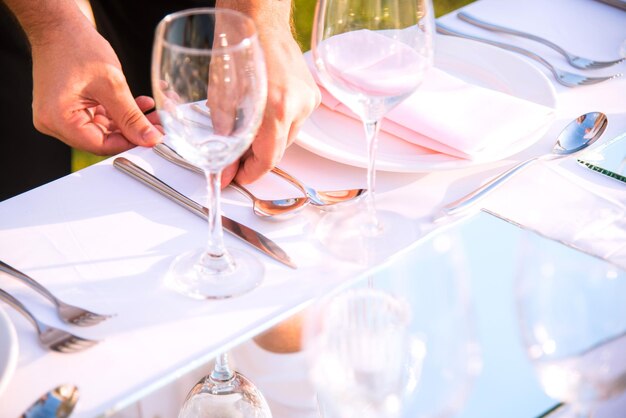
x=148, y=179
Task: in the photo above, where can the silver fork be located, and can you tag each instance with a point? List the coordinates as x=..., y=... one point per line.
x=68, y=313
x=563, y=77
x=574, y=60
x=50, y=337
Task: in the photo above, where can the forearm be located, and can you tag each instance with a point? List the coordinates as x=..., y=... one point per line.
x=42, y=20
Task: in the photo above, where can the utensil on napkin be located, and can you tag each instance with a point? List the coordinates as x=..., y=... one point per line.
x=320, y=199
x=573, y=60
x=563, y=77
x=453, y=117
x=576, y=136
x=50, y=337
x=249, y=235
x=68, y=313
x=275, y=208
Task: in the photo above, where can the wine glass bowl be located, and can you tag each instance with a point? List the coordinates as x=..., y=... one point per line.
x=234, y=397
x=573, y=322
x=370, y=56
x=210, y=57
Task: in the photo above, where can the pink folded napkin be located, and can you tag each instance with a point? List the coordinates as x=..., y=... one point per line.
x=446, y=114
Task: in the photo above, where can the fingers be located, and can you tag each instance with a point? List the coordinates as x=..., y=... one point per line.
x=115, y=96
x=279, y=129
x=266, y=150
x=228, y=174
x=145, y=103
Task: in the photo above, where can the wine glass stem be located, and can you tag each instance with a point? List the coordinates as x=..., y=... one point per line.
x=372, y=226
x=215, y=257
x=221, y=371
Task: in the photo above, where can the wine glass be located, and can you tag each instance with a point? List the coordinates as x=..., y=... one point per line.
x=573, y=322
x=224, y=393
x=210, y=58
x=401, y=345
x=370, y=56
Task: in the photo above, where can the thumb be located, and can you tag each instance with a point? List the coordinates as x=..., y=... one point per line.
x=122, y=108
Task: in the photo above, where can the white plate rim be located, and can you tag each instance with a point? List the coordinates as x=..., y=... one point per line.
x=501, y=66
x=8, y=350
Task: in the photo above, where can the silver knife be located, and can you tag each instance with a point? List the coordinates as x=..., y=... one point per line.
x=256, y=239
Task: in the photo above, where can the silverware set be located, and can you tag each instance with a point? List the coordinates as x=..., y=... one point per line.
x=566, y=78
x=50, y=337
x=278, y=208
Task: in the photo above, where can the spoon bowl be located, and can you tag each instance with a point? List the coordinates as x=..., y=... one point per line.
x=580, y=133
x=57, y=403
x=575, y=137
x=324, y=200
x=276, y=208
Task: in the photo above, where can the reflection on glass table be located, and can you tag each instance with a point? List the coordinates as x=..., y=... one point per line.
x=573, y=323
x=402, y=345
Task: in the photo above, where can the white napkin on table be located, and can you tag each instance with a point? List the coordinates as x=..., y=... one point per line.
x=445, y=114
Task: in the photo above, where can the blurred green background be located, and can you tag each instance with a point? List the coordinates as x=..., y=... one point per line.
x=303, y=17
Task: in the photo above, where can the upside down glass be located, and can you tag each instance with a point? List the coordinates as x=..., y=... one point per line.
x=370, y=55
x=210, y=57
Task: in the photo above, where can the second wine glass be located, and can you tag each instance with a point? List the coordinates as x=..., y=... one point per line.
x=210, y=57
x=370, y=56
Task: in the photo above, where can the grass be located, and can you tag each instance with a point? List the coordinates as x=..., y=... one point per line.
x=303, y=17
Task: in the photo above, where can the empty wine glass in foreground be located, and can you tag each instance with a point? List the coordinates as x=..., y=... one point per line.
x=210, y=57
x=224, y=393
x=573, y=323
x=370, y=56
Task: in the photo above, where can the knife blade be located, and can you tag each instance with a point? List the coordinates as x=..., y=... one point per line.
x=603, y=171
x=249, y=235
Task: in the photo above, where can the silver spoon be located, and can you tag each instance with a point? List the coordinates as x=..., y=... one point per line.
x=321, y=199
x=275, y=207
x=264, y=208
x=576, y=136
x=57, y=403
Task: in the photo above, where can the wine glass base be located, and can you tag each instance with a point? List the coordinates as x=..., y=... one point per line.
x=237, y=397
x=343, y=234
x=186, y=276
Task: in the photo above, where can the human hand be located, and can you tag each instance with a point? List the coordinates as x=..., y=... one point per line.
x=80, y=94
x=292, y=96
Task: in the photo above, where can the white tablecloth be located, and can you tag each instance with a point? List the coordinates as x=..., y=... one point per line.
x=101, y=240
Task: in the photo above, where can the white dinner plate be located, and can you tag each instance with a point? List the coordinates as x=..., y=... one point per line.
x=8, y=350
x=341, y=138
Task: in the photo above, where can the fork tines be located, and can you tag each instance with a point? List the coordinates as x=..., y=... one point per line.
x=63, y=341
